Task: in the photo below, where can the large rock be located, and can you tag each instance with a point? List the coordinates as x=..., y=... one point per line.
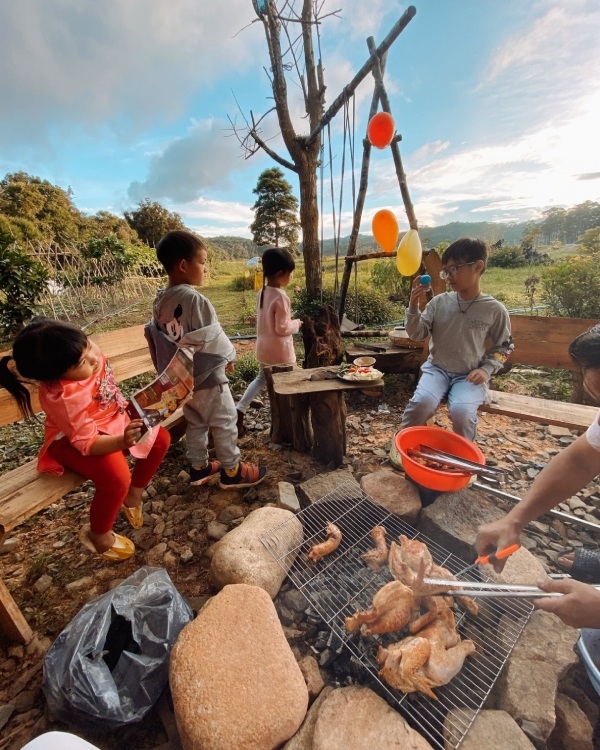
x=241, y=557
x=234, y=680
x=520, y=567
x=303, y=739
x=453, y=519
x=573, y=731
x=393, y=492
x=355, y=718
x=528, y=684
x=322, y=484
x=492, y=730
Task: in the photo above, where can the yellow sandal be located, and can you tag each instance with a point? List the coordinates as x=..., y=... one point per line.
x=135, y=515
x=122, y=548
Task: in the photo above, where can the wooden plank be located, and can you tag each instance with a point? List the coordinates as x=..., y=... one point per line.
x=544, y=341
x=128, y=354
x=572, y=416
x=12, y=622
x=298, y=381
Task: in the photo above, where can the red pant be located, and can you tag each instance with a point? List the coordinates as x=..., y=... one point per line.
x=111, y=476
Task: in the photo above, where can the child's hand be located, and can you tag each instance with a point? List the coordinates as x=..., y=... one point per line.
x=230, y=367
x=478, y=376
x=133, y=432
x=419, y=291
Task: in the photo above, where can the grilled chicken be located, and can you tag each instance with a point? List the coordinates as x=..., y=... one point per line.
x=334, y=537
x=376, y=558
x=393, y=606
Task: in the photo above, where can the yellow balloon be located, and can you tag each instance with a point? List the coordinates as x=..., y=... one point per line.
x=410, y=253
x=385, y=230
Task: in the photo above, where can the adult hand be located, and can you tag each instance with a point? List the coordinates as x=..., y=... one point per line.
x=497, y=535
x=579, y=607
x=133, y=432
x=478, y=376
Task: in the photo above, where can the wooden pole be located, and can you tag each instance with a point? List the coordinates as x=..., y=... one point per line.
x=348, y=90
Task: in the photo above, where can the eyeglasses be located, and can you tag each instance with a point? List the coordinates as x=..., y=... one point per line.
x=451, y=271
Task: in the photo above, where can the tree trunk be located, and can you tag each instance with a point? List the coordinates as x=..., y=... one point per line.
x=309, y=220
x=322, y=339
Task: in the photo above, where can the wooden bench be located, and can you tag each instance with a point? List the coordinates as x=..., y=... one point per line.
x=539, y=342
x=25, y=491
x=544, y=342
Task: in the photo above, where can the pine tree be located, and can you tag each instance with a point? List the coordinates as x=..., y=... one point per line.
x=275, y=211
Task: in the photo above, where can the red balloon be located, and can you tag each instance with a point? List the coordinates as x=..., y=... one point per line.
x=381, y=130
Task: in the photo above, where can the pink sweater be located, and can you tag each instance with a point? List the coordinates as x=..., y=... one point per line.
x=274, y=328
x=83, y=409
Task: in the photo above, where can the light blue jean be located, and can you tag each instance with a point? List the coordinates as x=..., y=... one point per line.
x=253, y=390
x=464, y=398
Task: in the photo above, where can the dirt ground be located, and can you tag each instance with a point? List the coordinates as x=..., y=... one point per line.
x=51, y=576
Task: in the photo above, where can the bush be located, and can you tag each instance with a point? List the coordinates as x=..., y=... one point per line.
x=385, y=276
x=507, y=256
x=22, y=283
x=572, y=289
x=246, y=369
x=242, y=283
x=374, y=308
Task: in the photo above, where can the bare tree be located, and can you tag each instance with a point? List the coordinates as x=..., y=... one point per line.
x=291, y=30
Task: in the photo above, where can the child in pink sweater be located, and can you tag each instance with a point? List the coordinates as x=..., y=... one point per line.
x=274, y=324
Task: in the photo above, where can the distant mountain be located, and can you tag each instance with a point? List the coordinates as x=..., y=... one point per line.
x=431, y=236
x=240, y=247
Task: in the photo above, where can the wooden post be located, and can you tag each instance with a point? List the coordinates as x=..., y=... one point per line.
x=290, y=422
x=328, y=418
x=12, y=622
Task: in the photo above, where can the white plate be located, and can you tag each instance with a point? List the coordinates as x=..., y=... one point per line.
x=363, y=377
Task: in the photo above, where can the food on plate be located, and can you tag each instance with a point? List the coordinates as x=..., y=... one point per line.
x=375, y=558
x=334, y=537
x=430, y=659
x=354, y=372
x=392, y=608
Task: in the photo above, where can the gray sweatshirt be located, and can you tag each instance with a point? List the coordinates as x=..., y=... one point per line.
x=464, y=335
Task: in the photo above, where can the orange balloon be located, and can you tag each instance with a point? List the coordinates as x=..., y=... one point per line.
x=381, y=129
x=385, y=230
x=410, y=253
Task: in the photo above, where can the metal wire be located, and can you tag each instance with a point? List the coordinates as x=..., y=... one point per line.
x=341, y=584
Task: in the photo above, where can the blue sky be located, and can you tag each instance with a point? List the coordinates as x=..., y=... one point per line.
x=498, y=104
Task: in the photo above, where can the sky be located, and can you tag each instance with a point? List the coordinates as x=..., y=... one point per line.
x=498, y=105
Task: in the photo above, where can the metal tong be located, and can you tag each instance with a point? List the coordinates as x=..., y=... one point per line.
x=449, y=459
x=484, y=590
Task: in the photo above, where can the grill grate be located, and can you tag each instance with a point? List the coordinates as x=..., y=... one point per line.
x=340, y=584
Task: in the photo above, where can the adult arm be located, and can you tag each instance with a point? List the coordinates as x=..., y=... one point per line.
x=566, y=473
x=579, y=606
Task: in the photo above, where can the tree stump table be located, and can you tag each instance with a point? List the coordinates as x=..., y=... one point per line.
x=308, y=410
x=393, y=359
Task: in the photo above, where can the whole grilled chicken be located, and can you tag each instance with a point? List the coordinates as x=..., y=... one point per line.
x=393, y=607
x=431, y=659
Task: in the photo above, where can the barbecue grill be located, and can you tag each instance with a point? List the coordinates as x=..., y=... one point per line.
x=341, y=584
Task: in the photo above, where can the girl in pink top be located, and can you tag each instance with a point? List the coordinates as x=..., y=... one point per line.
x=274, y=324
x=87, y=429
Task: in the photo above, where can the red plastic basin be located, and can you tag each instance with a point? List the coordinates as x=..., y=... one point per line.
x=436, y=437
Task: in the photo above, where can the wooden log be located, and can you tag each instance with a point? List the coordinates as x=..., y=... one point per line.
x=328, y=418
x=290, y=422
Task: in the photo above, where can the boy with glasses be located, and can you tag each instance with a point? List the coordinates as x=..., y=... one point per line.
x=470, y=339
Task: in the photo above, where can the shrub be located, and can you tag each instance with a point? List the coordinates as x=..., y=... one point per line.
x=373, y=307
x=572, y=289
x=242, y=283
x=385, y=276
x=22, y=283
x=507, y=256
x=246, y=369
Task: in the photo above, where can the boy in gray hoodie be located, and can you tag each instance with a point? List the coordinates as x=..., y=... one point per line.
x=184, y=317
x=470, y=339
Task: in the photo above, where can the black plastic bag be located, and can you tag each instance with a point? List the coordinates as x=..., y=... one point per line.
x=111, y=663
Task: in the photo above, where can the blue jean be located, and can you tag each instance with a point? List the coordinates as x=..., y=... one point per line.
x=464, y=398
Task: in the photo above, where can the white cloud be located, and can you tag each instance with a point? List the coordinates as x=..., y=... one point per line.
x=136, y=63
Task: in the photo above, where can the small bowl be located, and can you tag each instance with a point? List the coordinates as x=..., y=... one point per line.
x=364, y=361
x=443, y=440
